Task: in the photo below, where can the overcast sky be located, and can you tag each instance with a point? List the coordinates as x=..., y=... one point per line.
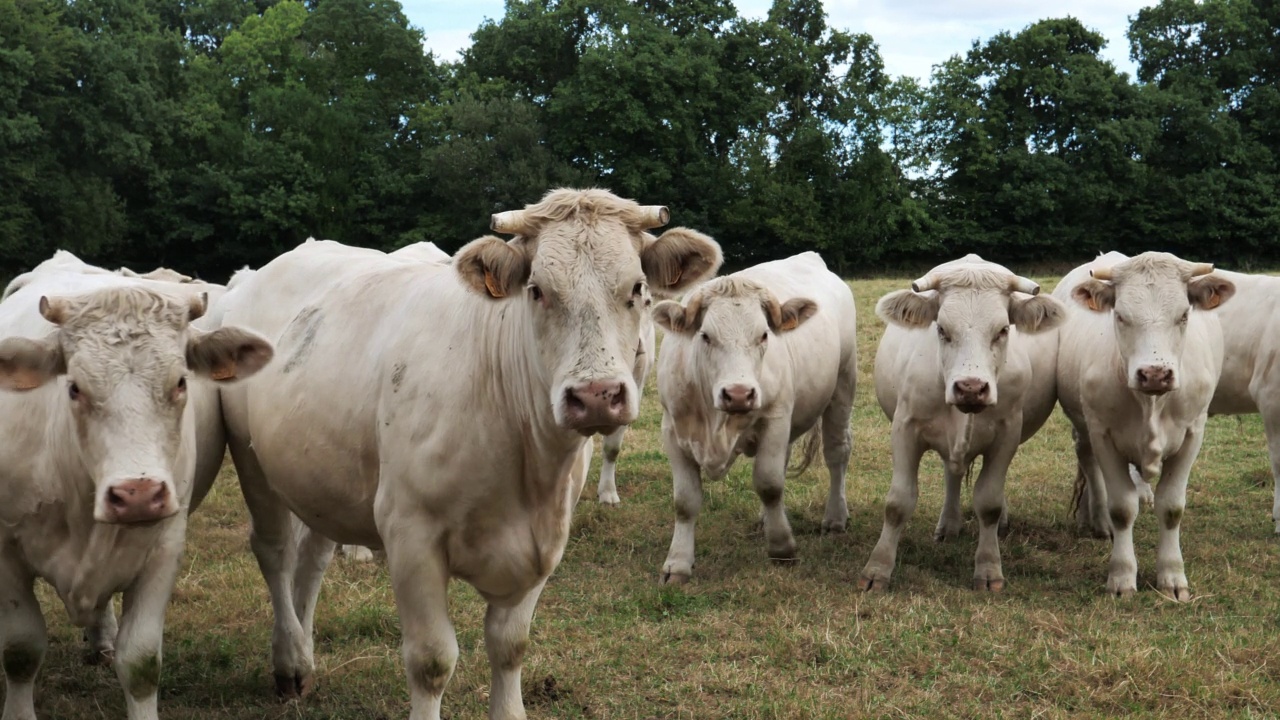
x=913, y=35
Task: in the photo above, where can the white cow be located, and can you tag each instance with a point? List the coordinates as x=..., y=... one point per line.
x=443, y=414
x=1138, y=362
x=965, y=368
x=104, y=455
x=1251, y=352
x=750, y=363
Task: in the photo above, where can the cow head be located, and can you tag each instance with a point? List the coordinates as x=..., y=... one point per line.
x=971, y=304
x=582, y=266
x=732, y=320
x=124, y=356
x=1150, y=298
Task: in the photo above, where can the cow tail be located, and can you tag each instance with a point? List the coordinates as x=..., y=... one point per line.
x=810, y=447
x=1077, y=493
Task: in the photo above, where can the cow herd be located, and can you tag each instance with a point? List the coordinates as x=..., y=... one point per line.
x=441, y=409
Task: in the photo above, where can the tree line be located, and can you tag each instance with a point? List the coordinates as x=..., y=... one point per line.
x=210, y=134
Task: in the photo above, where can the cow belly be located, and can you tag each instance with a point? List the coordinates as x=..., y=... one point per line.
x=328, y=493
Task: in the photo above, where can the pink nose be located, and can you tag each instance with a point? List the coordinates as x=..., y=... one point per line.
x=737, y=398
x=596, y=405
x=1155, y=379
x=971, y=394
x=138, y=500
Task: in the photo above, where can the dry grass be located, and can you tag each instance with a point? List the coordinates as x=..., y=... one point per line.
x=748, y=639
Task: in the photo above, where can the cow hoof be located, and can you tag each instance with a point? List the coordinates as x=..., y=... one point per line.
x=834, y=527
x=102, y=658
x=610, y=499
x=1122, y=592
x=993, y=585
x=289, y=687
x=943, y=533
x=1178, y=594
x=674, y=578
x=873, y=584
x=786, y=553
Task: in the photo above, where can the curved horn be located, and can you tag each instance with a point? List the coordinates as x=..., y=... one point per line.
x=1198, y=269
x=928, y=282
x=1024, y=285
x=1100, y=273
x=511, y=222
x=652, y=216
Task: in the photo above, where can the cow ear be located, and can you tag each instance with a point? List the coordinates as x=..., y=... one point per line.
x=679, y=259
x=673, y=317
x=908, y=308
x=228, y=353
x=791, y=314
x=1209, y=291
x=1036, y=314
x=1096, y=295
x=196, y=306
x=27, y=363
x=492, y=267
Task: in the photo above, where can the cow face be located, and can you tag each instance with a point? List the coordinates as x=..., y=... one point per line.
x=1150, y=298
x=125, y=357
x=730, y=322
x=583, y=267
x=969, y=308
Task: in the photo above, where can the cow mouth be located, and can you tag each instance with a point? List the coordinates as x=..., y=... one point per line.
x=596, y=430
x=971, y=408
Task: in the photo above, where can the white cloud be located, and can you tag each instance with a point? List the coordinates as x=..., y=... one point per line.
x=913, y=35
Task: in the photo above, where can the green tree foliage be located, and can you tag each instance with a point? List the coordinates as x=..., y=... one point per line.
x=208, y=134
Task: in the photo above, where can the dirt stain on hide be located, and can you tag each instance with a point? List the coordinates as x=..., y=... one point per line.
x=307, y=324
x=397, y=376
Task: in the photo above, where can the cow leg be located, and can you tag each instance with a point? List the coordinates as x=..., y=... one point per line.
x=506, y=635
x=1171, y=500
x=315, y=552
x=1122, y=501
x=899, y=505
x=950, y=521
x=142, y=626
x=837, y=446
x=420, y=580
x=769, y=478
x=23, y=641
x=101, y=636
x=607, y=490
x=1092, y=514
x=686, y=479
x=1271, y=423
x=272, y=540
x=989, y=506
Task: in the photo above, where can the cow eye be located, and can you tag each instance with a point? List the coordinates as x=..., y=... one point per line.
x=705, y=337
x=535, y=292
x=1004, y=333
x=73, y=391
x=1120, y=318
x=1183, y=320
x=764, y=338
x=182, y=383
x=942, y=335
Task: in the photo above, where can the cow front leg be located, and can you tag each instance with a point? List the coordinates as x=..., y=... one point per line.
x=420, y=580
x=273, y=539
x=769, y=478
x=989, y=506
x=1122, y=501
x=23, y=641
x=1171, y=501
x=506, y=636
x=100, y=636
x=141, y=633
x=899, y=504
x=686, y=480
x=607, y=489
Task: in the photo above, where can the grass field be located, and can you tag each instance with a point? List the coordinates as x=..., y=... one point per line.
x=749, y=639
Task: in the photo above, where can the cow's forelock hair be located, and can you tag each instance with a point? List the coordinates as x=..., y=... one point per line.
x=975, y=277
x=126, y=317
x=730, y=287
x=1151, y=267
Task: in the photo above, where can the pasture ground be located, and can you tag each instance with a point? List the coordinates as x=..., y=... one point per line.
x=749, y=639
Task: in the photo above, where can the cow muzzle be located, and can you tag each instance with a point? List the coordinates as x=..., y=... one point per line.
x=136, y=500
x=1154, y=379
x=599, y=406
x=971, y=395
x=737, y=399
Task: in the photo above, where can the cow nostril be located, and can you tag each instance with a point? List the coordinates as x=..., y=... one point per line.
x=751, y=394
x=115, y=499
x=574, y=402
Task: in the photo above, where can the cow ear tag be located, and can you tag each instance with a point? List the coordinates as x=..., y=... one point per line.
x=491, y=284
